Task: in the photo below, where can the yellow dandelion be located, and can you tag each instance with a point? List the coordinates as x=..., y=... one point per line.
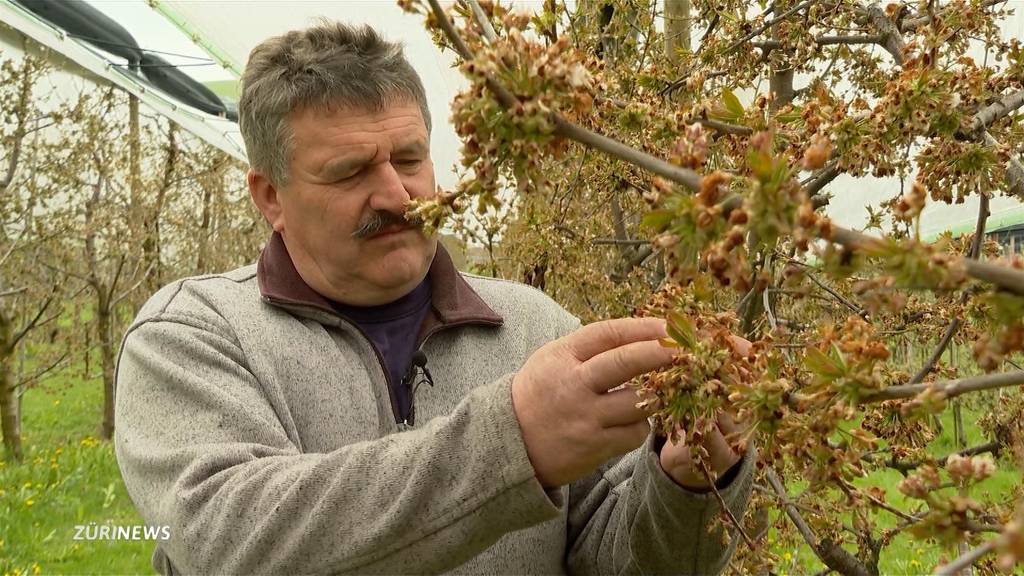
x=58, y=451
x=29, y=503
x=56, y=402
x=27, y=485
x=787, y=556
x=914, y=563
x=36, y=569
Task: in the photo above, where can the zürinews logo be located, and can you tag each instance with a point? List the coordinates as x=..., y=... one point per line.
x=94, y=531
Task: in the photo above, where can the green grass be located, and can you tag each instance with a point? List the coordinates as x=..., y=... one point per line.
x=905, y=555
x=68, y=478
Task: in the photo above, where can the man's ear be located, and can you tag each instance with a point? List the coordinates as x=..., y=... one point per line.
x=264, y=194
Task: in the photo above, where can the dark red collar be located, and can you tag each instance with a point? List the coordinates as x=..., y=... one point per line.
x=454, y=301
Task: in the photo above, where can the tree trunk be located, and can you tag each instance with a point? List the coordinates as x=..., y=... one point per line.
x=10, y=420
x=677, y=28
x=107, y=362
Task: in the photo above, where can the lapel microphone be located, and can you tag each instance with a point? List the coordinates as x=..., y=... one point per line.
x=419, y=362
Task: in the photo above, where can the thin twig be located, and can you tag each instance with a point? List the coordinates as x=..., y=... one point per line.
x=721, y=502
x=842, y=299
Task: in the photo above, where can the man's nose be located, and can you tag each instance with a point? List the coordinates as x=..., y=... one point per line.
x=388, y=193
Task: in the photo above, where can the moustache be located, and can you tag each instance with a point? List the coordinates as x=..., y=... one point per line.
x=378, y=220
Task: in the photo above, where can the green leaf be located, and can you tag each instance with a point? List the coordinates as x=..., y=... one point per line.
x=822, y=364
x=732, y=103
x=657, y=220
x=681, y=330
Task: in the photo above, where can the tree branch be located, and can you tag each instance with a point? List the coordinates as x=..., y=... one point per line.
x=830, y=552
x=951, y=388
x=908, y=465
x=724, y=127
x=912, y=24
x=611, y=147
x=1007, y=278
x=766, y=26
x=995, y=111
x=893, y=40
x=12, y=291
x=842, y=299
x=1004, y=277
x=965, y=560
x=42, y=372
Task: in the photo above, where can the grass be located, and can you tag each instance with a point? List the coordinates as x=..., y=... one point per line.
x=905, y=555
x=68, y=478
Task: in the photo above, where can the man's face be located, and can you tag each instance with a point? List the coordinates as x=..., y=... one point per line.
x=349, y=167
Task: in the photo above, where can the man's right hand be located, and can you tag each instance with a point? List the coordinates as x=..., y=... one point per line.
x=572, y=418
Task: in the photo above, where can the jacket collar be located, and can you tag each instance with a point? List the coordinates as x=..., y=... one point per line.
x=453, y=301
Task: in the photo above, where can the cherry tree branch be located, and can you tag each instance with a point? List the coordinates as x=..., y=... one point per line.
x=965, y=560
x=725, y=127
x=828, y=41
x=951, y=388
x=893, y=40
x=566, y=129
x=760, y=29
x=995, y=111
x=906, y=466
x=912, y=24
x=830, y=552
x=1007, y=278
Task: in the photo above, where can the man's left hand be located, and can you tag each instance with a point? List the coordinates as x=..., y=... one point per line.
x=677, y=463
x=675, y=456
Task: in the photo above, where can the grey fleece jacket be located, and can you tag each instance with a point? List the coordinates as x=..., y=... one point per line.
x=258, y=425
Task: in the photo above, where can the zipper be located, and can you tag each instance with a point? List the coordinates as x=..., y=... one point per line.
x=402, y=425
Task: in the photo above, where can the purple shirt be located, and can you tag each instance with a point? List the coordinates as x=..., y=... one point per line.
x=393, y=328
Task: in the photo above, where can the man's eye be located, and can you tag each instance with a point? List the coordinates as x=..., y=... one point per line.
x=409, y=163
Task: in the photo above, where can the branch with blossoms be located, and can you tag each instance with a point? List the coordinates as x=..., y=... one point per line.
x=715, y=230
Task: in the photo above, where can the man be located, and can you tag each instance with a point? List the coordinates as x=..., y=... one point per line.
x=271, y=415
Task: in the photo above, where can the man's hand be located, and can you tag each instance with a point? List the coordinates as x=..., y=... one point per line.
x=572, y=419
x=675, y=456
x=676, y=461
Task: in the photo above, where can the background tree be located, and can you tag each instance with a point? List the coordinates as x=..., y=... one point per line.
x=717, y=226
x=29, y=295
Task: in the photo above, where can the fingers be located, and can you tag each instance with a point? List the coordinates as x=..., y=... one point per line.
x=613, y=367
x=618, y=408
x=721, y=453
x=741, y=345
x=622, y=439
x=599, y=337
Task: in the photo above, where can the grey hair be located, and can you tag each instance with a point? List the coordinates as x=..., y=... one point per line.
x=326, y=65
